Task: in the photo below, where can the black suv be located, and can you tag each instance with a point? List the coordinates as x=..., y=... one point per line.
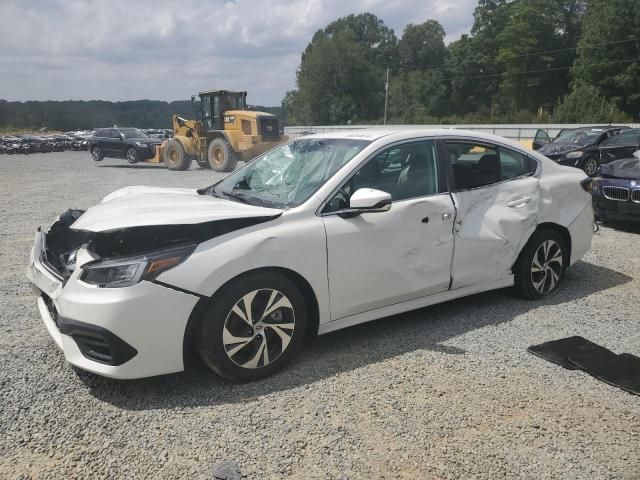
x=130, y=143
x=578, y=147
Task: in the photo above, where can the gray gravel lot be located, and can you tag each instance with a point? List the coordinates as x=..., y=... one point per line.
x=444, y=392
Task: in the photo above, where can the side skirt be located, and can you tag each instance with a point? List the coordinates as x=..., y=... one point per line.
x=409, y=305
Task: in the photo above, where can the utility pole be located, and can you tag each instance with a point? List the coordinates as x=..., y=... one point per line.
x=386, y=98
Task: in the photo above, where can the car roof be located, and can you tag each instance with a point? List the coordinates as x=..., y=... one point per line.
x=402, y=133
x=603, y=128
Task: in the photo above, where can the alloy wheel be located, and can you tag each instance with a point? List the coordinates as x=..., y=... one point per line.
x=259, y=328
x=590, y=166
x=131, y=156
x=546, y=266
x=95, y=152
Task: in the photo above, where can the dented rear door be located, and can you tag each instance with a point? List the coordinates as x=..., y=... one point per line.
x=492, y=224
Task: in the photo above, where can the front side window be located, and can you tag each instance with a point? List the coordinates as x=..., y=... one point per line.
x=289, y=174
x=405, y=171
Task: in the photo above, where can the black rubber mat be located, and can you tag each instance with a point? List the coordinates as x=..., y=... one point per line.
x=622, y=371
x=559, y=351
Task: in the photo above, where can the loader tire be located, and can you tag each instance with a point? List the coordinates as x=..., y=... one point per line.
x=221, y=157
x=174, y=156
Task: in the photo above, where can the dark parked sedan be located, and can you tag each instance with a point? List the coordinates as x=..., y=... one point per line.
x=616, y=192
x=130, y=143
x=620, y=146
x=578, y=147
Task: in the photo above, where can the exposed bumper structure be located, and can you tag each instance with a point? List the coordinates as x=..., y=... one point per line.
x=125, y=333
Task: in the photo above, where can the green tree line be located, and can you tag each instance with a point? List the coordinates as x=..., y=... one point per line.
x=72, y=115
x=524, y=60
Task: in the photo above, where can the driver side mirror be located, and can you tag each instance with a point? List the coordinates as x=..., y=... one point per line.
x=370, y=200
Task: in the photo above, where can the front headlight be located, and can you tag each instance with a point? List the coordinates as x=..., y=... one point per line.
x=576, y=154
x=124, y=272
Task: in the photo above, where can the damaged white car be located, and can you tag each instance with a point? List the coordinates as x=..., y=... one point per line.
x=316, y=235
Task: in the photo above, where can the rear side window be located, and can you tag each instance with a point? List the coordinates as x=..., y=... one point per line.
x=477, y=165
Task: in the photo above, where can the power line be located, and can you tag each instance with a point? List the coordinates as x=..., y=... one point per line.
x=534, y=54
x=542, y=70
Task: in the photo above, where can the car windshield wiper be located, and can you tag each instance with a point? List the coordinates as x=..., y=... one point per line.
x=237, y=195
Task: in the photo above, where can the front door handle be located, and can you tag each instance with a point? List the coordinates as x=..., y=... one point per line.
x=519, y=203
x=446, y=216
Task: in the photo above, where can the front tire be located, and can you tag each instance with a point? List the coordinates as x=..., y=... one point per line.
x=132, y=156
x=590, y=166
x=96, y=153
x=253, y=326
x=541, y=265
x=174, y=156
x=220, y=155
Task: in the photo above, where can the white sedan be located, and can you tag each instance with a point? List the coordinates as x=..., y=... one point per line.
x=322, y=233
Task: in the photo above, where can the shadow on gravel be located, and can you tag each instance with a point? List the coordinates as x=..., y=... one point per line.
x=349, y=349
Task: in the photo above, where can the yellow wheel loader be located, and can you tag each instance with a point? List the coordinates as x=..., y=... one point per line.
x=225, y=133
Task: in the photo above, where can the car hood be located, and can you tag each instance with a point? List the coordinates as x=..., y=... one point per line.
x=625, y=168
x=145, y=206
x=559, y=148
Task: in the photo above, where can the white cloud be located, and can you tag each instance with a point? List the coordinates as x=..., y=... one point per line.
x=122, y=50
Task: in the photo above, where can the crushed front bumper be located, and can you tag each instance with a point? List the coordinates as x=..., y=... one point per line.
x=129, y=332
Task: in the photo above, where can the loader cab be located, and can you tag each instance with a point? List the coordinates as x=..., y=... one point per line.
x=214, y=103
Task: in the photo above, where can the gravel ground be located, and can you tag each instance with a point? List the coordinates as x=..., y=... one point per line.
x=443, y=392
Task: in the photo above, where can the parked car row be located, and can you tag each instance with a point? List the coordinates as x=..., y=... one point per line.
x=160, y=133
x=25, y=144
x=588, y=148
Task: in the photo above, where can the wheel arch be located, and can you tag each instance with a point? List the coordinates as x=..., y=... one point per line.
x=561, y=230
x=193, y=322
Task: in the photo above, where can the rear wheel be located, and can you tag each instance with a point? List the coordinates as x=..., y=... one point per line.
x=132, y=156
x=221, y=157
x=590, y=166
x=96, y=153
x=174, y=156
x=253, y=326
x=541, y=265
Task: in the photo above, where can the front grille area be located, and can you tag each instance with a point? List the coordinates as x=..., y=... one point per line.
x=268, y=128
x=620, y=194
x=635, y=196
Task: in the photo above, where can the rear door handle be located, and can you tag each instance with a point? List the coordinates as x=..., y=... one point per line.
x=519, y=203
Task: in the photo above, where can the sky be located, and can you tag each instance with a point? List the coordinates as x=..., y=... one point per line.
x=169, y=50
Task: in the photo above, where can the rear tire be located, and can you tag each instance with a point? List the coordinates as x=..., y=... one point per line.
x=234, y=331
x=541, y=265
x=174, y=156
x=220, y=156
x=96, y=153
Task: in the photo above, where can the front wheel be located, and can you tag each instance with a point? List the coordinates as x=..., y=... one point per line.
x=174, y=156
x=132, y=156
x=541, y=265
x=590, y=166
x=253, y=326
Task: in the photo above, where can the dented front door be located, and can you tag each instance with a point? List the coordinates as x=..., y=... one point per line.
x=492, y=225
